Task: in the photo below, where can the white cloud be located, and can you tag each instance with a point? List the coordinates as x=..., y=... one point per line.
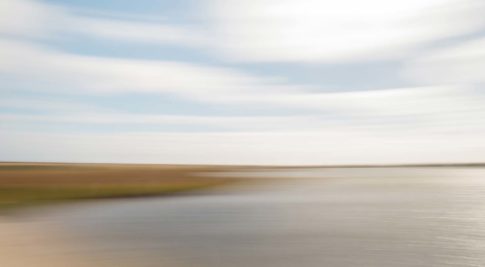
x=47, y=105
x=426, y=123
x=31, y=18
x=51, y=70
x=434, y=109
x=268, y=30
x=27, y=18
x=323, y=147
x=462, y=63
x=429, y=103
x=233, y=123
x=134, y=31
x=334, y=31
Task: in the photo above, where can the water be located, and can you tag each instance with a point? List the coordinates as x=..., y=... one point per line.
x=325, y=217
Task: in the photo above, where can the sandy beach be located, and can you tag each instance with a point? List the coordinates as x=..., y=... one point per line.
x=33, y=243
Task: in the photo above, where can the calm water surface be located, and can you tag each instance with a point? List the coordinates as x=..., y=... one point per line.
x=325, y=217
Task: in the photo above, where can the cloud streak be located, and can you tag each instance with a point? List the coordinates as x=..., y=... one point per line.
x=437, y=116
x=459, y=63
x=337, y=31
x=55, y=69
x=325, y=147
x=35, y=19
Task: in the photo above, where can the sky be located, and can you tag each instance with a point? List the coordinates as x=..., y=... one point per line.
x=242, y=82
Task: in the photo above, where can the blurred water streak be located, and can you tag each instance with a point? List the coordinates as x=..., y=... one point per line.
x=327, y=217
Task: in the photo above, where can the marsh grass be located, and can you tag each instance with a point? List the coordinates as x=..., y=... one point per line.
x=27, y=184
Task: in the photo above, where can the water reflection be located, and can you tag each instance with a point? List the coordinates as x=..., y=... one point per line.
x=326, y=217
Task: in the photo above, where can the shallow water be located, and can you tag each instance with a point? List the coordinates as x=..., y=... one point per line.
x=323, y=217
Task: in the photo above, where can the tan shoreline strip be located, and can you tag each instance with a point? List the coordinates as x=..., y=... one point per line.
x=31, y=244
